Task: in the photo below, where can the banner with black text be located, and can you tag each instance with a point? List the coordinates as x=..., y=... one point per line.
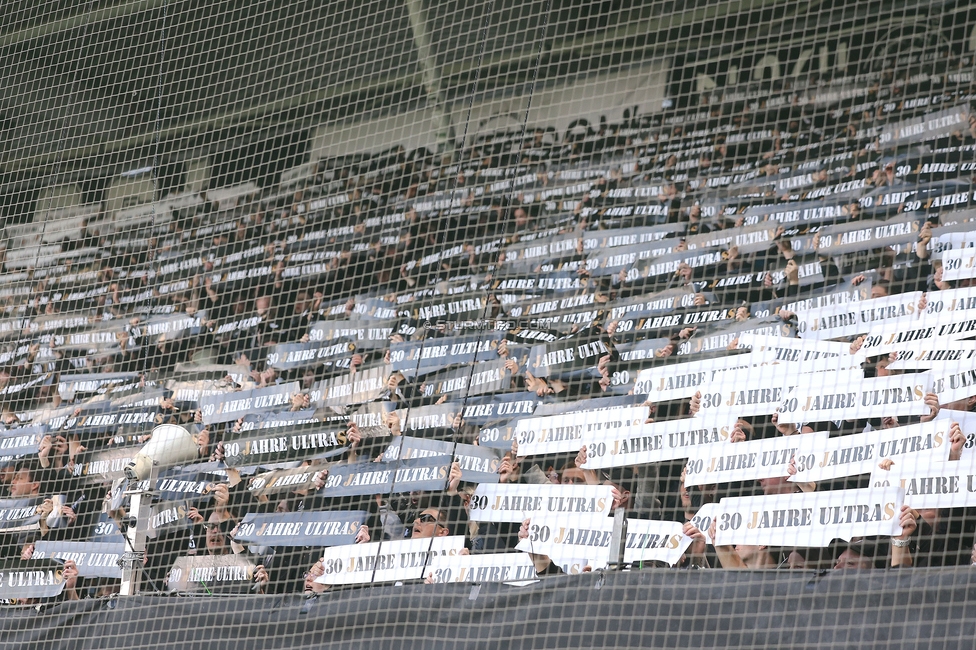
x=518, y=502
x=407, y=559
x=811, y=519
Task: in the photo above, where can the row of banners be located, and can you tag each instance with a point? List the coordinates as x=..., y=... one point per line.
x=570, y=524
x=914, y=130
x=832, y=240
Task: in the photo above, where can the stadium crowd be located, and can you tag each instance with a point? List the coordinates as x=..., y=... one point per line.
x=407, y=310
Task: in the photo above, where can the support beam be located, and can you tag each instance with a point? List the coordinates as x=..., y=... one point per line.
x=78, y=19
x=432, y=83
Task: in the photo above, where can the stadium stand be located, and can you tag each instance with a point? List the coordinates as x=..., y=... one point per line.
x=530, y=358
x=393, y=295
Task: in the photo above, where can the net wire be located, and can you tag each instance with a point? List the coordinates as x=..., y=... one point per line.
x=308, y=302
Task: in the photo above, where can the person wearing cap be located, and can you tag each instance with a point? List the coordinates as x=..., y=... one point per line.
x=859, y=554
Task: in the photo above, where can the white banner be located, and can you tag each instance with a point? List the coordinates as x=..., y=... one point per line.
x=654, y=442
x=924, y=127
x=958, y=264
x=954, y=383
x=493, y=567
x=950, y=301
x=681, y=380
x=936, y=484
x=857, y=318
x=228, y=407
x=958, y=324
x=819, y=398
x=840, y=296
x=948, y=241
x=569, y=536
x=936, y=353
x=744, y=461
x=403, y=559
x=809, y=355
x=518, y=502
x=860, y=453
x=704, y=517
x=562, y=433
x=650, y=540
x=809, y=520
x=93, y=559
x=760, y=392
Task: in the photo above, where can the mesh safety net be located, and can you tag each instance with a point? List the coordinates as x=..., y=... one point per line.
x=430, y=322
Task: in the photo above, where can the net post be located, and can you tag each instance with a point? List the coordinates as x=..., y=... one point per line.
x=618, y=538
x=136, y=535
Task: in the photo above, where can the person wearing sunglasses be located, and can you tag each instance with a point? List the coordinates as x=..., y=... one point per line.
x=218, y=542
x=431, y=522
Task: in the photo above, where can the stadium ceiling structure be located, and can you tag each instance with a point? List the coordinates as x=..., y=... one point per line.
x=114, y=83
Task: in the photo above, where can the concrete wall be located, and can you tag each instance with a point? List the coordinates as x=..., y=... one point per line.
x=128, y=191
x=56, y=197
x=198, y=174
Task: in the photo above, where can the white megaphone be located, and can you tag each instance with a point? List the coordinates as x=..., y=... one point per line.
x=171, y=445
